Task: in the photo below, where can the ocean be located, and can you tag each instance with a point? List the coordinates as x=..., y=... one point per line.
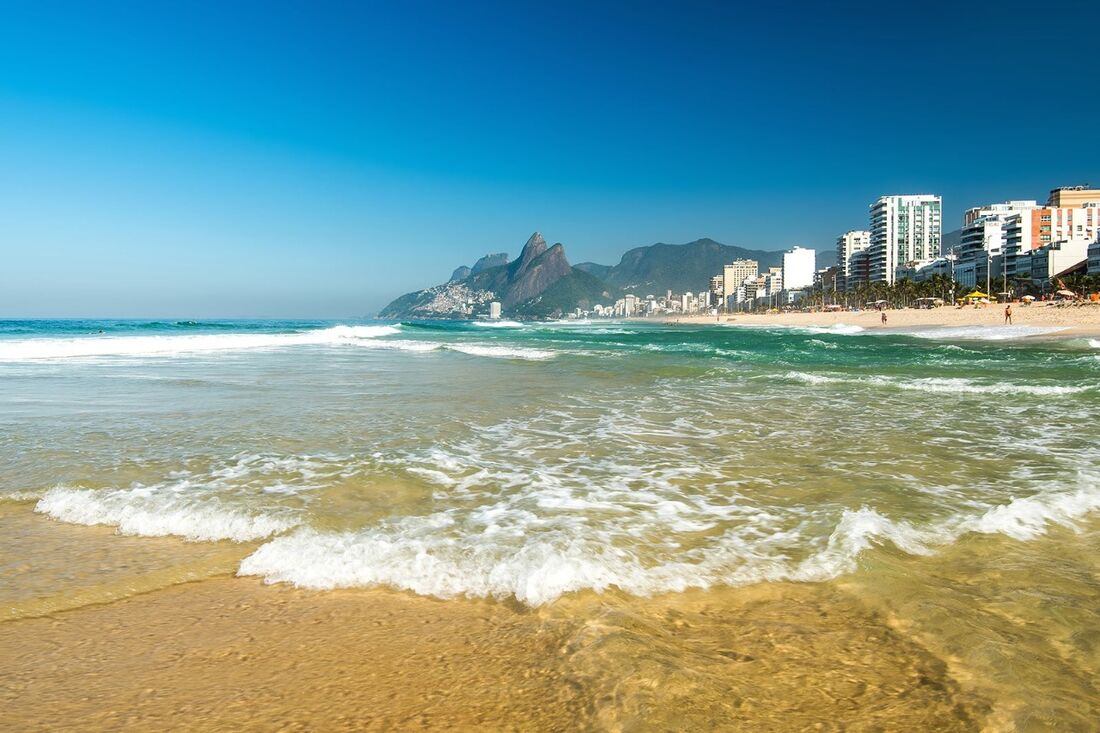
x=947, y=480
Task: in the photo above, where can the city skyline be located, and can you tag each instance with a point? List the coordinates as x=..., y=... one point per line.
x=223, y=161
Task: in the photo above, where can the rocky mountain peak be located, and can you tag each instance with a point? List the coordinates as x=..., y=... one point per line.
x=536, y=269
x=535, y=246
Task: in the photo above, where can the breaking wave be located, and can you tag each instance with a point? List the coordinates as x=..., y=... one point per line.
x=502, y=560
x=106, y=346
x=984, y=333
x=148, y=514
x=497, y=324
x=941, y=385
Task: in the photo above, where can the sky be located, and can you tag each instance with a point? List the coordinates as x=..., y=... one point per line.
x=317, y=159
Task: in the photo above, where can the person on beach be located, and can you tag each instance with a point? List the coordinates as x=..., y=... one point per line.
x=1008, y=315
x=884, y=318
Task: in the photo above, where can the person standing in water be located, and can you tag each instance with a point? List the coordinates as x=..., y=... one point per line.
x=1008, y=314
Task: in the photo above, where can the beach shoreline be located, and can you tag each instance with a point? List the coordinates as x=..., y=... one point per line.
x=1070, y=321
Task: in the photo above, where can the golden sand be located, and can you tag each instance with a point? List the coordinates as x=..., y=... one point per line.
x=906, y=652
x=231, y=653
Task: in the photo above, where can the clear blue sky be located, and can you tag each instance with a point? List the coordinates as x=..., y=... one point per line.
x=317, y=159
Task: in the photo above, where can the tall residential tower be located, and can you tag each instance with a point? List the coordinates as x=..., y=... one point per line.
x=847, y=245
x=904, y=229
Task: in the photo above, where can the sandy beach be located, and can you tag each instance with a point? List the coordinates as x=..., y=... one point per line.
x=1081, y=320
x=226, y=653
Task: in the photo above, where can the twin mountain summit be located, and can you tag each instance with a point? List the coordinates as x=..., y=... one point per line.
x=541, y=283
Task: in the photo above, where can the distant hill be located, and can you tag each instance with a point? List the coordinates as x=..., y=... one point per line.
x=539, y=283
x=950, y=240
x=682, y=267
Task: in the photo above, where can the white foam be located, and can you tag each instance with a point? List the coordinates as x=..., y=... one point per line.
x=991, y=332
x=501, y=352
x=842, y=329
x=100, y=346
x=508, y=558
x=497, y=324
x=835, y=329
x=941, y=385
x=149, y=514
x=966, y=386
x=1094, y=343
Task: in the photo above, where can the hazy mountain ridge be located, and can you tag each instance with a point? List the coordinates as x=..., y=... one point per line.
x=541, y=282
x=682, y=267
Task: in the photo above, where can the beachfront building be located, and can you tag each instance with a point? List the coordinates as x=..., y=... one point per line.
x=848, y=245
x=494, y=310
x=904, y=229
x=630, y=304
x=1074, y=197
x=983, y=240
x=1031, y=230
x=734, y=275
x=1053, y=260
x=922, y=271
x=799, y=265
x=859, y=270
x=1093, y=266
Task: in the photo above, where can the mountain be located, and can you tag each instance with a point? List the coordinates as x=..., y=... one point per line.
x=578, y=289
x=682, y=267
x=489, y=261
x=950, y=241
x=461, y=273
x=539, y=282
x=598, y=271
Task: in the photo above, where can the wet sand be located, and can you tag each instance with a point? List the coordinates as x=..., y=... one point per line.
x=230, y=653
x=989, y=637
x=1074, y=320
x=183, y=643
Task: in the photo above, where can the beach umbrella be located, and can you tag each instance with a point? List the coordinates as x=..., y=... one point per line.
x=977, y=294
x=1067, y=293
x=1028, y=297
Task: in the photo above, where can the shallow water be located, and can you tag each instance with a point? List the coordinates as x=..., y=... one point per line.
x=942, y=483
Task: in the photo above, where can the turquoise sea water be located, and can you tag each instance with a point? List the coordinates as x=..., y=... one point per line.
x=949, y=479
x=531, y=460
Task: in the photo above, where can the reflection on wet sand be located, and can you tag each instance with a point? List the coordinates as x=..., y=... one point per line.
x=230, y=653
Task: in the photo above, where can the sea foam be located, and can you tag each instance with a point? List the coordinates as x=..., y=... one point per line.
x=941, y=385
x=983, y=333
x=105, y=346
x=144, y=513
x=424, y=556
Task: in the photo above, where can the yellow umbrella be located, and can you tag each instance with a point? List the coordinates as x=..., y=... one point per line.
x=977, y=294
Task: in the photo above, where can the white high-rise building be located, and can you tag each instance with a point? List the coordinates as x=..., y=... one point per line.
x=630, y=304
x=799, y=265
x=904, y=229
x=847, y=244
x=494, y=310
